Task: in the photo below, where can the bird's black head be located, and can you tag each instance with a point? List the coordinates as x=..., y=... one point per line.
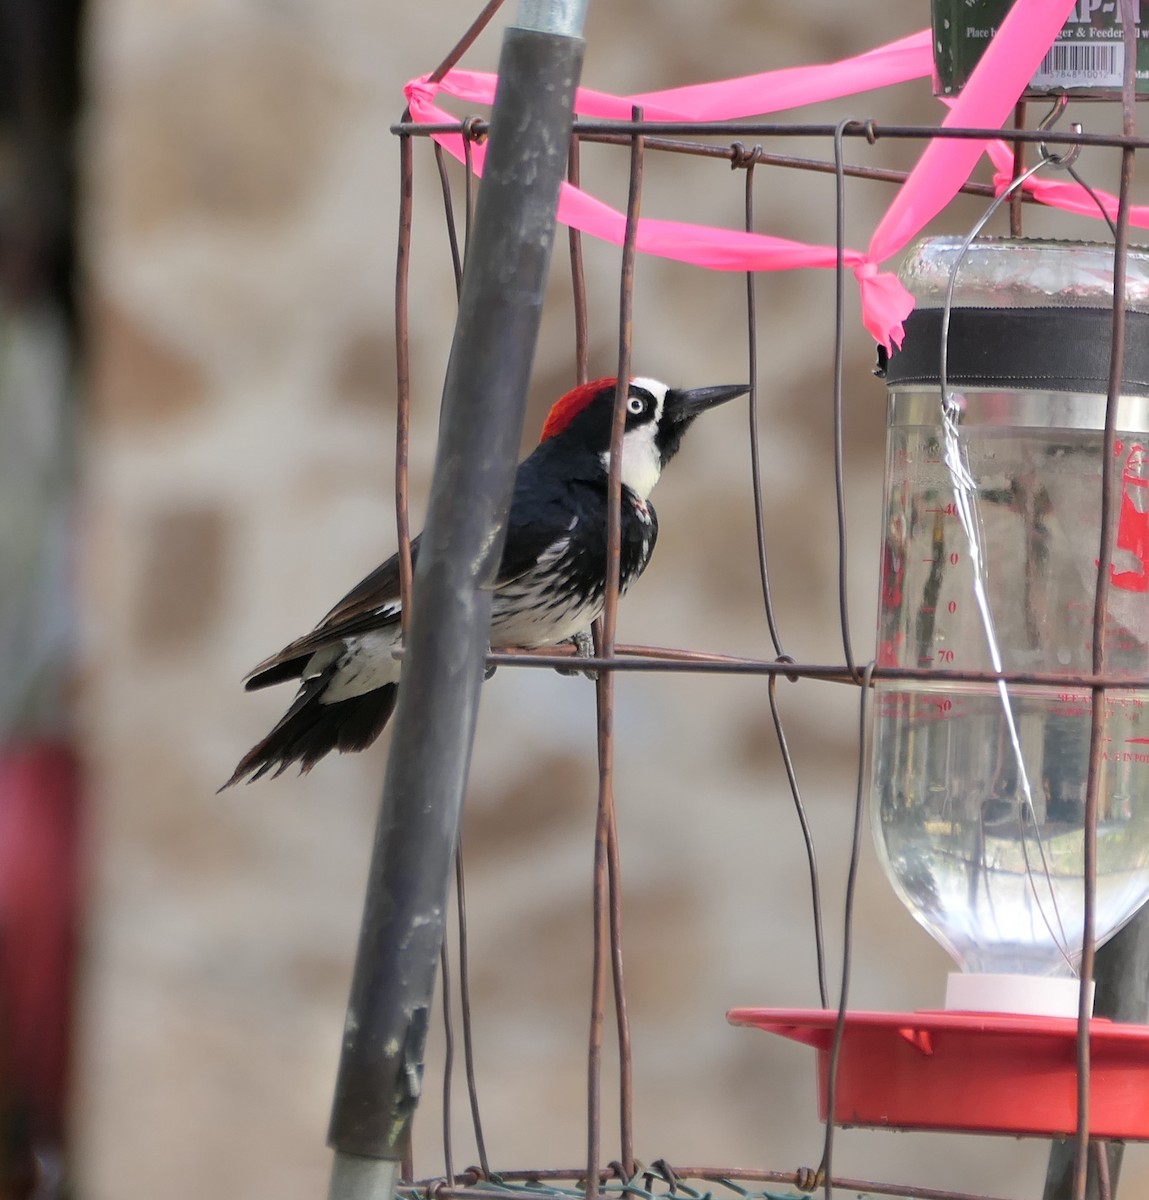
x=657, y=416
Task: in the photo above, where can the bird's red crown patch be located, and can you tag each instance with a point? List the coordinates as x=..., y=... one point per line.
x=569, y=407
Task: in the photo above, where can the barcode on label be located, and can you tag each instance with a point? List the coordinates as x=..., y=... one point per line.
x=1081, y=64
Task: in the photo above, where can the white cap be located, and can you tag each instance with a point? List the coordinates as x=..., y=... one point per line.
x=1032, y=995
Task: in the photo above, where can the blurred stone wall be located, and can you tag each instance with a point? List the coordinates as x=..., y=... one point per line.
x=241, y=187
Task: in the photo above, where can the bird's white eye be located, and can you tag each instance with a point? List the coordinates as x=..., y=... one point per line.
x=635, y=404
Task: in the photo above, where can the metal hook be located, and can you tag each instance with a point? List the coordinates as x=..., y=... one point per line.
x=1066, y=158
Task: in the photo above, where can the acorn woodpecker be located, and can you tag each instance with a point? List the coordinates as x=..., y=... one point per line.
x=549, y=586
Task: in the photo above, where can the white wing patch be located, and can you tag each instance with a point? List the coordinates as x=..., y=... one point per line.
x=365, y=663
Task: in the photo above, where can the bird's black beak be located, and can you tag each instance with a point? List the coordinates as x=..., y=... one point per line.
x=684, y=406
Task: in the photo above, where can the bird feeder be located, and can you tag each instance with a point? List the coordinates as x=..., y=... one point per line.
x=979, y=755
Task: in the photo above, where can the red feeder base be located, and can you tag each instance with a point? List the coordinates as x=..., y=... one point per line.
x=972, y=1072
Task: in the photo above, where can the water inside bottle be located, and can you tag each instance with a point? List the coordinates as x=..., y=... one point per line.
x=979, y=789
x=992, y=868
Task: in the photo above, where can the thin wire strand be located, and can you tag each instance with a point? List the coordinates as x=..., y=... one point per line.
x=607, y=903
x=755, y=439
x=578, y=275
x=1129, y=12
x=479, y=127
x=839, y=346
x=403, y=375
x=749, y=157
x=444, y=952
x=465, y=1000
x=659, y=658
x=469, y=179
x=609, y=618
x=466, y=41
x=622, y=1016
x=808, y=842
x=872, y=131
x=978, y=226
x=1083, y=183
x=1100, y=1152
x=448, y=1062
x=460, y=881
x=826, y=1169
x=1016, y=198
x=966, y=498
x=449, y=213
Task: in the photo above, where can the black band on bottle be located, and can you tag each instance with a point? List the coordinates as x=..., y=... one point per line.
x=1045, y=349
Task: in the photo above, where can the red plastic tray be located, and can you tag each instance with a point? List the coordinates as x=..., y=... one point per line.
x=972, y=1072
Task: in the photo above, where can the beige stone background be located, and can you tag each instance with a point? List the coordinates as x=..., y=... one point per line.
x=240, y=184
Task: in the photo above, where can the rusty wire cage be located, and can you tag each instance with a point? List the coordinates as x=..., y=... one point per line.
x=751, y=149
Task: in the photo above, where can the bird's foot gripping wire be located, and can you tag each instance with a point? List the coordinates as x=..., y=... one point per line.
x=583, y=642
x=491, y=668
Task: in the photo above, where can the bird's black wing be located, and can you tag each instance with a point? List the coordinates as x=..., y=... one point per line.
x=541, y=515
x=374, y=599
x=374, y=603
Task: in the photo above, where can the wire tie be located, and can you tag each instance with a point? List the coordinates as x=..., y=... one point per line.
x=743, y=158
x=471, y=128
x=807, y=1179
x=666, y=1171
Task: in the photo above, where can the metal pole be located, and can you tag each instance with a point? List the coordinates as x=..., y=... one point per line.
x=381, y=1063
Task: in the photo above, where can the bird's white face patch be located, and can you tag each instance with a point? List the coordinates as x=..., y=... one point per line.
x=641, y=457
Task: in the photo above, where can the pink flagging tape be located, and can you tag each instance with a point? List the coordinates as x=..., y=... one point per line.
x=1066, y=194
x=729, y=99
x=986, y=102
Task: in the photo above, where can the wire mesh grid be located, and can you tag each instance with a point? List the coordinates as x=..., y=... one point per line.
x=749, y=151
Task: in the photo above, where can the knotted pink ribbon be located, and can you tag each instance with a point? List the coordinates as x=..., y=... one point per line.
x=986, y=102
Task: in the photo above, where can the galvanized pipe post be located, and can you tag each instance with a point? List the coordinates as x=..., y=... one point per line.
x=484, y=398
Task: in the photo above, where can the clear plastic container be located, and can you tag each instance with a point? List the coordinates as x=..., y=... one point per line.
x=1024, y=273
x=989, y=562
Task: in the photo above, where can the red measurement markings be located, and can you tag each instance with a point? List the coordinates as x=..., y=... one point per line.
x=1133, y=523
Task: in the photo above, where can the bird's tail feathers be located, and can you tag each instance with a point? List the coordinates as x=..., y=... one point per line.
x=310, y=729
